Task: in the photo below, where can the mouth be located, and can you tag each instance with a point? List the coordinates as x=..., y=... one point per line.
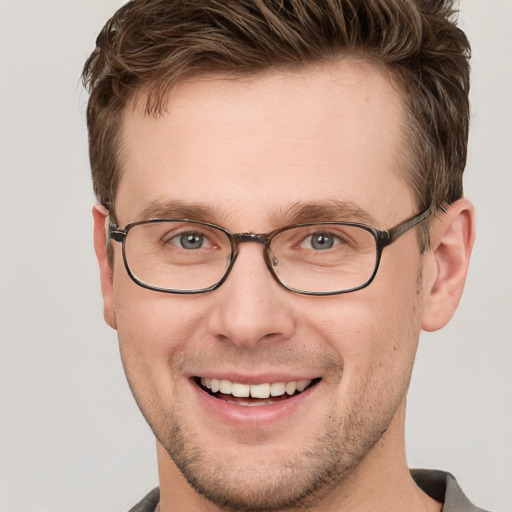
x=251, y=395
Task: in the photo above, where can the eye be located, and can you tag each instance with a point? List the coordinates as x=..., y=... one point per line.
x=321, y=241
x=189, y=241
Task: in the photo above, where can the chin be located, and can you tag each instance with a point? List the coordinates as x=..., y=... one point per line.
x=267, y=477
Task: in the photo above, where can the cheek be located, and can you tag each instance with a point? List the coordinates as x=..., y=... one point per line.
x=154, y=331
x=375, y=330
x=153, y=342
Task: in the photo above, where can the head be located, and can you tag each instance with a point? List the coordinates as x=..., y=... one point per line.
x=253, y=115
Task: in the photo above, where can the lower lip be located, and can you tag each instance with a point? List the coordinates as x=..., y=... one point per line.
x=252, y=416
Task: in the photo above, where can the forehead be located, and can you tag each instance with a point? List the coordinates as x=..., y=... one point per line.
x=246, y=146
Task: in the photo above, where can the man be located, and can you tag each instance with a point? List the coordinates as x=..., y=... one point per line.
x=280, y=214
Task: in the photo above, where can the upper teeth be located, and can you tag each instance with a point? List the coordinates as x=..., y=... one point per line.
x=264, y=390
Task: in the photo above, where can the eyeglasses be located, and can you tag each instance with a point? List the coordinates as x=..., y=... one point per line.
x=184, y=256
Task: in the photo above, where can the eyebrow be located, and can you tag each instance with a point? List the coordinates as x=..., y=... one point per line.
x=295, y=213
x=326, y=211
x=178, y=210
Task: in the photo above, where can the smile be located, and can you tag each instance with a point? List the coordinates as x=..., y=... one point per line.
x=266, y=393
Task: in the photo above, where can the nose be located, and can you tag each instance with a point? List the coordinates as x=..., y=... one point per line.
x=251, y=308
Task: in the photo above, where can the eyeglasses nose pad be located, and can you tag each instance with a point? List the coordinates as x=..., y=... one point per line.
x=272, y=258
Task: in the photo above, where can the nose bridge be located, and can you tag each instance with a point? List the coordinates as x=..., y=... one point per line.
x=251, y=306
x=258, y=238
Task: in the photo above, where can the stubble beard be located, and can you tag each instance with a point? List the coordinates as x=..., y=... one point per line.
x=295, y=483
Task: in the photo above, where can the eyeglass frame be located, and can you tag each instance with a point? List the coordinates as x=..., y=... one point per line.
x=382, y=237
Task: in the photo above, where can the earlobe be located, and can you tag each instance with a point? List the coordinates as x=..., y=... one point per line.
x=452, y=237
x=100, y=214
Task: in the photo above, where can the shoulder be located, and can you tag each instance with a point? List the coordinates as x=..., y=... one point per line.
x=148, y=503
x=443, y=487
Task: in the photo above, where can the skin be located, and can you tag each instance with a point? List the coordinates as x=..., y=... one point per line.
x=247, y=150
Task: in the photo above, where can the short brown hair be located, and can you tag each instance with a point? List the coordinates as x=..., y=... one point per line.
x=149, y=45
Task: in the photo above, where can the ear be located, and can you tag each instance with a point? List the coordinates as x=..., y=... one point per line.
x=452, y=235
x=100, y=214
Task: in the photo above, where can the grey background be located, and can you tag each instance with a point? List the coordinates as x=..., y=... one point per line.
x=71, y=437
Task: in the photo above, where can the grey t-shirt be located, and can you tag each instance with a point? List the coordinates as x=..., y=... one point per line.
x=437, y=484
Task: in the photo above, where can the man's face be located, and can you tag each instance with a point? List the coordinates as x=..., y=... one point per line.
x=250, y=152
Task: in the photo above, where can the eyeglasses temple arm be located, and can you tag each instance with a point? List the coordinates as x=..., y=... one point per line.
x=392, y=234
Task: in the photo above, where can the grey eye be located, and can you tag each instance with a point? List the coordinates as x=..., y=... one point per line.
x=191, y=240
x=321, y=241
